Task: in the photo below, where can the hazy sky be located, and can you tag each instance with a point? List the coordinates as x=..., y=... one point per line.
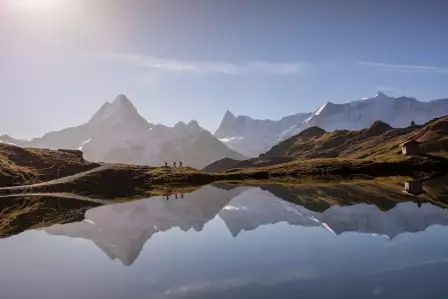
x=194, y=59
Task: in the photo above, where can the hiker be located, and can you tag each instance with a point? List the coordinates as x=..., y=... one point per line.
x=175, y=195
x=174, y=164
x=182, y=195
x=166, y=164
x=180, y=164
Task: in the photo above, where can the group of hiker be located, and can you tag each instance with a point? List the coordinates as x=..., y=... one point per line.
x=181, y=165
x=168, y=196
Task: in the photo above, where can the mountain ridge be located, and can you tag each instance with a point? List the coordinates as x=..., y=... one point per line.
x=117, y=133
x=378, y=142
x=398, y=112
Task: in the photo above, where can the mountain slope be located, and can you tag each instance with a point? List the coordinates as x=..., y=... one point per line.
x=6, y=139
x=378, y=143
x=253, y=137
x=379, y=138
x=28, y=165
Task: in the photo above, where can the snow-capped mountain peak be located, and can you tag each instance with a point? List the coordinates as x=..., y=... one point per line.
x=120, y=111
x=319, y=111
x=256, y=136
x=380, y=94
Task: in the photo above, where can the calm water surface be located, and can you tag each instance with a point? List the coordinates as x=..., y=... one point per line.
x=242, y=242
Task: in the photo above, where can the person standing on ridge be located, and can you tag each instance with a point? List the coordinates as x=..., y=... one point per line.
x=174, y=164
x=180, y=164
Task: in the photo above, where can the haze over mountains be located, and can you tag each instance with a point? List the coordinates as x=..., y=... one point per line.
x=117, y=133
x=252, y=137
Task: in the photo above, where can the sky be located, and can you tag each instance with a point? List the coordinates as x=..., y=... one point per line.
x=178, y=60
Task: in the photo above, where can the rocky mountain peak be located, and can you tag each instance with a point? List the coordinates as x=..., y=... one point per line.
x=229, y=116
x=381, y=95
x=377, y=128
x=120, y=110
x=180, y=125
x=122, y=100
x=193, y=125
x=312, y=132
x=227, y=125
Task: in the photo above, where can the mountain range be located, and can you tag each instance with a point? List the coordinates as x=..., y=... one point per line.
x=378, y=142
x=252, y=137
x=117, y=133
x=121, y=230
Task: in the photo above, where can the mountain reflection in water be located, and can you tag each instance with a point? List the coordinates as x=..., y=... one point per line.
x=224, y=241
x=121, y=230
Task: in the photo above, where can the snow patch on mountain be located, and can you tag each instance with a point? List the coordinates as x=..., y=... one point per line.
x=254, y=136
x=6, y=142
x=225, y=140
x=260, y=135
x=318, y=111
x=84, y=143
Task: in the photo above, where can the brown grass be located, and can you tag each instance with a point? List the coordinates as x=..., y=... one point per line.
x=20, y=166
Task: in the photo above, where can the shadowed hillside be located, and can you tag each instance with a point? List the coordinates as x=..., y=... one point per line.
x=378, y=142
x=28, y=165
x=379, y=139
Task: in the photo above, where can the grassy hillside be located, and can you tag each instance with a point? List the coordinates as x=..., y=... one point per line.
x=28, y=212
x=379, y=139
x=372, y=152
x=28, y=165
x=377, y=144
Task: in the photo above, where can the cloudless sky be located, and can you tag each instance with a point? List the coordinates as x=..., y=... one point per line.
x=194, y=59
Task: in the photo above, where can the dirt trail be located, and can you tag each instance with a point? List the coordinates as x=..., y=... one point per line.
x=29, y=188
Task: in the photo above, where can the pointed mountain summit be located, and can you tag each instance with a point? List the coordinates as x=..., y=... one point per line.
x=122, y=99
x=122, y=102
x=193, y=125
x=229, y=115
x=121, y=110
x=381, y=96
x=227, y=125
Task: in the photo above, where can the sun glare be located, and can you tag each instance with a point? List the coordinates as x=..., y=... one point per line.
x=41, y=5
